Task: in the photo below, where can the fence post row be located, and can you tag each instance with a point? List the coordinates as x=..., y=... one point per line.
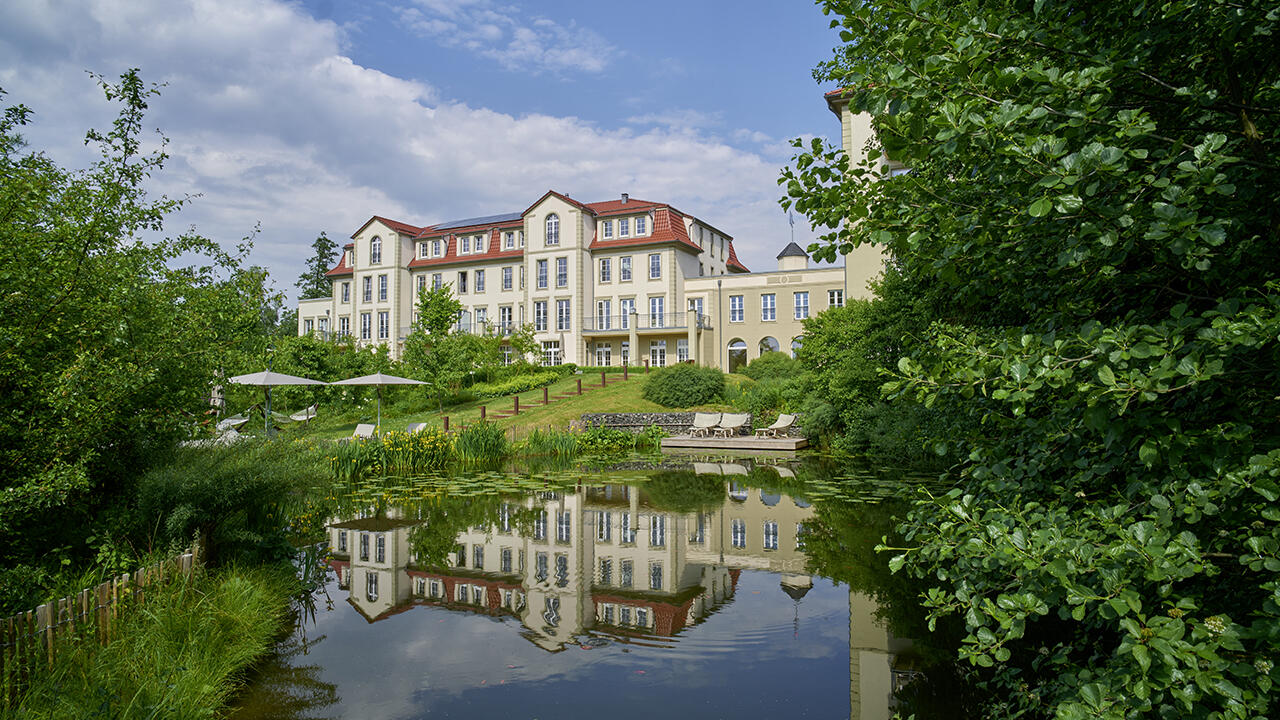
x=32, y=636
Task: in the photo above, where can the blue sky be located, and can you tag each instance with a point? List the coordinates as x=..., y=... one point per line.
x=302, y=117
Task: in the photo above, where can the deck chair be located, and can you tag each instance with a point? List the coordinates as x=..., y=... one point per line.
x=783, y=422
x=730, y=424
x=702, y=424
x=305, y=416
x=364, y=431
x=415, y=427
x=233, y=423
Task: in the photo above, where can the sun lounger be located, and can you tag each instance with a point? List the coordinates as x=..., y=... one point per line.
x=415, y=427
x=235, y=422
x=730, y=424
x=783, y=422
x=703, y=423
x=364, y=430
x=305, y=416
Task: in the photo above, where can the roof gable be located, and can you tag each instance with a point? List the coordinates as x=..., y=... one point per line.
x=395, y=225
x=565, y=198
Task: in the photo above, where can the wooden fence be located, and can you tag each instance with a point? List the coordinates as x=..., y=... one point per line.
x=29, y=640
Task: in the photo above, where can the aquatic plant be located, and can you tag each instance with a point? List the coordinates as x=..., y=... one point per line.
x=480, y=442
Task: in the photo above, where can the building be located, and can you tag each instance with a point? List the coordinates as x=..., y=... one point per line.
x=624, y=281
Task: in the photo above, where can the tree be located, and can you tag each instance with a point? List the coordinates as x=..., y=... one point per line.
x=109, y=344
x=1091, y=218
x=435, y=352
x=313, y=283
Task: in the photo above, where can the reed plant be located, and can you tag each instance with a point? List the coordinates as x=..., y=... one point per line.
x=481, y=442
x=550, y=442
x=180, y=656
x=392, y=453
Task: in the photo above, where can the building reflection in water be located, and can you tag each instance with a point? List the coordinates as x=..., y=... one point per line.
x=604, y=563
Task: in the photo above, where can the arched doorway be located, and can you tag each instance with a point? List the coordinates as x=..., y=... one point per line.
x=796, y=342
x=737, y=354
x=769, y=344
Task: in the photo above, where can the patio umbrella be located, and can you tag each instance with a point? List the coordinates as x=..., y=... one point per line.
x=378, y=379
x=267, y=380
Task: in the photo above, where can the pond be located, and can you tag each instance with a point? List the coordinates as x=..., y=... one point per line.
x=691, y=587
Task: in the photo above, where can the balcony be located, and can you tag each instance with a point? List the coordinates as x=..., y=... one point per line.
x=642, y=322
x=474, y=328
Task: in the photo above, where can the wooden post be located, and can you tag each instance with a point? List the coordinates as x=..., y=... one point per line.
x=446, y=423
x=646, y=366
x=603, y=381
x=44, y=623
x=482, y=414
x=515, y=409
x=579, y=386
x=625, y=366
x=545, y=399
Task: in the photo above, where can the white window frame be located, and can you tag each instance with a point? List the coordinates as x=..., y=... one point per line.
x=346, y=292
x=641, y=226
x=507, y=278
x=606, y=270
x=375, y=251
x=657, y=311
x=768, y=307
x=835, y=298
x=540, y=274
x=479, y=281
x=682, y=350
x=562, y=272
x=553, y=229
x=603, y=309
x=802, y=304
x=736, y=308
x=368, y=288
x=382, y=288
x=384, y=324
x=606, y=230
x=540, y=316
x=657, y=353
x=366, y=326
x=624, y=268
x=564, y=315
x=624, y=227
x=655, y=266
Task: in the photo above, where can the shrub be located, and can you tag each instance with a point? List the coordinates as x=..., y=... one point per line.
x=516, y=384
x=772, y=365
x=601, y=440
x=684, y=385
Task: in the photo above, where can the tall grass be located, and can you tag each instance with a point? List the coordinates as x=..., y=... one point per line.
x=550, y=442
x=393, y=453
x=179, y=656
x=481, y=442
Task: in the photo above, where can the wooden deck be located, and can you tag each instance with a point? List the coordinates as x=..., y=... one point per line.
x=737, y=442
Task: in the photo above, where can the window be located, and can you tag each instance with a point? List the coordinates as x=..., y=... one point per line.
x=521, y=277
x=384, y=325
x=308, y=326
x=627, y=568
x=364, y=547
x=366, y=326
x=770, y=535
x=504, y=562
x=642, y=616
x=658, y=353
x=504, y=319
x=504, y=517
x=655, y=266
x=603, y=307
x=540, y=316
x=562, y=272
x=802, y=305
x=542, y=274
x=382, y=288
x=606, y=571
x=553, y=229
x=505, y=351
x=624, y=268
x=796, y=342
x=437, y=280
x=562, y=315
x=540, y=566
x=655, y=577
x=603, y=354
x=460, y=556
x=464, y=245
x=462, y=281
x=506, y=278
x=344, y=326
x=371, y=586
x=698, y=535
x=626, y=533
x=368, y=289
x=422, y=283
x=606, y=613
x=380, y=548
x=342, y=541
x=624, y=227
x=346, y=292
x=482, y=317
x=540, y=526
x=606, y=230
x=682, y=350
x=375, y=250
x=606, y=270
x=564, y=526
x=835, y=298
x=551, y=353
x=768, y=344
x=739, y=533
x=562, y=570
x=625, y=354
x=477, y=556
x=422, y=250
x=657, y=311
x=435, y=248
x=625, y=613
x=735, y=308
x=604, y=526
x=695, y=304
x=640, y=225
x=768, y=307
x=508, y=240
x=479, y=281
x=658, y=531
x=801, y=531
x=627, y=306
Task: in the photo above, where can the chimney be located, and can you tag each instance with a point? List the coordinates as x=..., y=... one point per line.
x=625, y=198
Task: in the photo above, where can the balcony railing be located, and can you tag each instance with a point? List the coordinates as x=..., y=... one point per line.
x=474, y=328
x=656, y=321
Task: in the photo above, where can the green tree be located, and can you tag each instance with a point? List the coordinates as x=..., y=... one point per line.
x=435, y=352
x=108, y=345
x=313, y=283
x=1091, y=218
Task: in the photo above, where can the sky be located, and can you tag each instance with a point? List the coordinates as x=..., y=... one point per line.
x=301, y=117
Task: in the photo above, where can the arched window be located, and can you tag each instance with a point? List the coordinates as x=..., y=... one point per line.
x=375, y=250
x=796, y=342
x=737, y=354
x=553, y=229
x=768, y=345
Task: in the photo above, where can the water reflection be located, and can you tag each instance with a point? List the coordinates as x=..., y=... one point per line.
x=598, y=565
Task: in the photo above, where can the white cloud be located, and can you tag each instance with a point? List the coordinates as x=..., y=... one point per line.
x=270, y=122
x=523, y=43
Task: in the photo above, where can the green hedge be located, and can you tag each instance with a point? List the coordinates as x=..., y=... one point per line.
x=516, y=384
x=683, y=385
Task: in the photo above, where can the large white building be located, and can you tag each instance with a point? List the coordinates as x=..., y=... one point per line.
x=623, y=281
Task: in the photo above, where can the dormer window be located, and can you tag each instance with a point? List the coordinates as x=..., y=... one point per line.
x=521, y=238
x=640, y=225
x=624, y=227
x=478, y=244
x=422, y=250
x=607, y=230
x=553, y=229
x=375, y=250
x=509, y=240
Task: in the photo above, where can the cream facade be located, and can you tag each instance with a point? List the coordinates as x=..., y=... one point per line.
x=624, y=281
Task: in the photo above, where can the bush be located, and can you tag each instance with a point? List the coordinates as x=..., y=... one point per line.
x=684, y=385
x=601, y=440
x=772, y=365
x=516, y=384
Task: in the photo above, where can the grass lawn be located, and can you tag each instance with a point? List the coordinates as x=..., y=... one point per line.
x=617, y=396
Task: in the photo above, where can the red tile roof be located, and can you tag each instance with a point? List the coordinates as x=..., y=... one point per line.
x=617, y=207
x=493, y=250
x=562, y=196
x=734, y=263
x=402, y=228
x=668, y=227
x=343, y=267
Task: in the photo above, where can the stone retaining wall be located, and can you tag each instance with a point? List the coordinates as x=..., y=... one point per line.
x=675, y=423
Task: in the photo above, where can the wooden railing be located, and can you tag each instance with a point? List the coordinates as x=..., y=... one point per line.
x=29, y=640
